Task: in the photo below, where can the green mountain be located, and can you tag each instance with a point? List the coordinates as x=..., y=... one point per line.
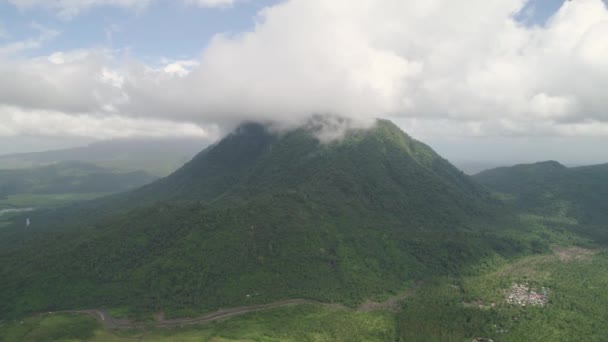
x=549, y=189
x=260, y=216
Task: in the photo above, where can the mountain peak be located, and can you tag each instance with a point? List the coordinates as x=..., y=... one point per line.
x=282, y=215
x=551, y=164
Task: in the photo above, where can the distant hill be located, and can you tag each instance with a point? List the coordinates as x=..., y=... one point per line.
x=554, y=190
x=69, y=177
x=475, y=167
x=62, y=179
x=157, y=156
x=257, y=217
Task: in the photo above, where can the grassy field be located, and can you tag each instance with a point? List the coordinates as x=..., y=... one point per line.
x=445, y=309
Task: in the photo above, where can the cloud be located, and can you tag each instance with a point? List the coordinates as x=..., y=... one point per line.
x=466, y=68
x=68, y=9
x=15, y=47
x=73, y=82
x=19, y=122
x=3, y=32
x=212, y=3
x=467, y=62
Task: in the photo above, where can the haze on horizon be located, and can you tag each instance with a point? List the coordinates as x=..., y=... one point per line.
x=493, y=82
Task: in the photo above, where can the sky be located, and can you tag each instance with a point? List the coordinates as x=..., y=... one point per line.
x=493, y=81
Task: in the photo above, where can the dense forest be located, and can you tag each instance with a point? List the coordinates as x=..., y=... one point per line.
x=261, y=217
x=576, y=196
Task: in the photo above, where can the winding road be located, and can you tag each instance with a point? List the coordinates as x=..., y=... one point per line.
x=111, y=323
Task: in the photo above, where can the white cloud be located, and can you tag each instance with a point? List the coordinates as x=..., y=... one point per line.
x=468, y=67
x=68, y=9
x=15, y=47
x=212, y=3
x=17, y=122
x=466, y=62
x=72, y=82
x=180, y=68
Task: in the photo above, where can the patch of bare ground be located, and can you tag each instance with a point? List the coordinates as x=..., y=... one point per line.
x=479, y=304
x=567, y=254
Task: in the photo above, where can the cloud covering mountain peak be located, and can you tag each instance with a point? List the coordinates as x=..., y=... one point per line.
x=471, y=66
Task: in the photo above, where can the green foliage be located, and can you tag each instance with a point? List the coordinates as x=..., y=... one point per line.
x=571, y=197
x=59, y=327
x=294, y=323
x=458, y=309
x=261, y=217
x=46, y=200
x=63, y=183
x=308, y=323
x=441, y=309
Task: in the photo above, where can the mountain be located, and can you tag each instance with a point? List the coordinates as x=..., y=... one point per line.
x=551, y=189
x=259, y=216
x=157, y=156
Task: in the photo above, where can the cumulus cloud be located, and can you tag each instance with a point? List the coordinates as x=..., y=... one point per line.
x=19, y=122
x=467, y=62
x=73, y=82
x=469, y=67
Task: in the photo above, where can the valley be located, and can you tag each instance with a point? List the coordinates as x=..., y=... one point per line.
x=438, y=310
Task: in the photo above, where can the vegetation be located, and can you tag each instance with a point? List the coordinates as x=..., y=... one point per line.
x=552, y=190
x=46, y=200
x=453, y=309
x=261, y=217
x=297, y=323
x=50, y=183
x=443, y=309
x=49, y=328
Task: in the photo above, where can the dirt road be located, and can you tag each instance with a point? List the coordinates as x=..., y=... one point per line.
x=111, y=323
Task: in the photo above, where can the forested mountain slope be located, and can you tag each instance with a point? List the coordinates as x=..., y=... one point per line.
x=257, y=217
x=550, y=189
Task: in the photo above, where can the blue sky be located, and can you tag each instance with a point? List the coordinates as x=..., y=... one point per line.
x=163, y=29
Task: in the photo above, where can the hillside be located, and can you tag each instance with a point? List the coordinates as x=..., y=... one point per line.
x=63, y=183
x=156, y=156
x=69, y=177
x=577, y=194
x=258, y=217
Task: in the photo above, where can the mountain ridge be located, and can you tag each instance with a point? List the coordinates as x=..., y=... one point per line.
x=260, y=217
